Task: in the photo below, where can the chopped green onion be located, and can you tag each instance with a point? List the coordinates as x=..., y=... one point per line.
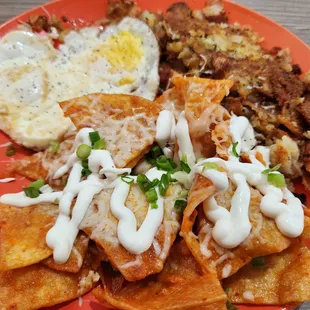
x=144, y=183
x=83, y=151
x=184, y=158
x=185, y=167
x=53, y=146
x=228, y=290
x=155, y=182
x=99, y=145
x=151, y=195
x=230, y=306
x=258, y=262
x=163, y=184
x=234, y=149
x=150, y=160
x=85, y=163
x=156, y=151
x=275, y=168
x=37, y=184
x=85, y=172
x=276, y=179
x=31, y=192
x=94, y=137
x=126, y=179
x=211, y=166
x=183, y=194
x=180, y=204
x=154, y=205
x=164, y=163
x=10, y=150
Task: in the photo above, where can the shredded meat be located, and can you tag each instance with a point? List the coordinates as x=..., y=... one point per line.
x=304, y=108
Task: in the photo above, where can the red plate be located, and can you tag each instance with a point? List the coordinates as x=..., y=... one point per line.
x=83, y=12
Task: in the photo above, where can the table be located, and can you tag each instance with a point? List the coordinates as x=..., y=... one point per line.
x=293, y=14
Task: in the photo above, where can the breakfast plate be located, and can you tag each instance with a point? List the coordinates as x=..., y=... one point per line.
x=79, y=14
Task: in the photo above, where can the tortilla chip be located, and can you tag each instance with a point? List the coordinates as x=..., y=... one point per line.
x=76, y=258
x=101, y=226
x=38, y=286
x=285, y=278
x=264, y=238
x=181, y=285
x=202, y=98
x=22, y=234
x=127, y=123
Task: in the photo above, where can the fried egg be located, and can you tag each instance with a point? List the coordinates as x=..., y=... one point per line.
x=35, y=77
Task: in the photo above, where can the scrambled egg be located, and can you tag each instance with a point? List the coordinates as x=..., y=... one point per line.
x=34, y=76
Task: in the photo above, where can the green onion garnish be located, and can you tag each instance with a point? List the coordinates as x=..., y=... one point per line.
x=230, y=306
x=275, y=168
x=180, y=204
x=185, y=167
x=154, y=205
x=276, y=179
x=31, y=192
x=85, y=163
x=156, y=151
x=10, y=150
x=37, y=184
x=164, y=163
x=151, y=195
x=99, y=145
x=85, y=172
x=210, y=165
x=83, y=151
x=234, y=149
x=126, y=179
x=155, y=182
x=144, y=183
x=258, y=262
x=163, y=184
x=94, y=137
x=54, y=146
x=228, y=290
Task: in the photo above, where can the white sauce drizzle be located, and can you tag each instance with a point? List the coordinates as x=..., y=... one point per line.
x=7, y=180
x=133, y=240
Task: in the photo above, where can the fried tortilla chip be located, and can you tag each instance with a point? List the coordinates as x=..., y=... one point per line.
x=181, y=285
x=202, y=98
x=127, y=123
x=76, y=258
x=22, y=234
x=264, y=239
x=283, y=278
x=37, y=286
x=101, y=226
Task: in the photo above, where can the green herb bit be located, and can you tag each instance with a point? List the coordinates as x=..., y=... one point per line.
x=180, y=205
x=276, y=179
x=37, y=184
x=94, y=137
x=156, y=151
x=234, y=149
x=230, y=306
x=258, y=262
x=99, y=145
x=185, y=167
x=183, y=194
x=200, y=159
x=85, y=172
x=275, y=168
x=54, y=146
x=228, y=290
x=151, y=195
x=211, y=166
x=166, y=164
x=155, y=182
x=127, y=179
x=10, y=150
x=85, y=163
x=83, y=151
x=164, y=184
x=144, y=183
x=154, y=205
x=31, y=192
x=184, y=158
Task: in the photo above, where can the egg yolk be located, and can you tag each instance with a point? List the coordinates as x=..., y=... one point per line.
x=123, y=50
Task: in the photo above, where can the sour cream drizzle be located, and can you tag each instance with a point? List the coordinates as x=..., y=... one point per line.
x=233, y=227
x=133, y=240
